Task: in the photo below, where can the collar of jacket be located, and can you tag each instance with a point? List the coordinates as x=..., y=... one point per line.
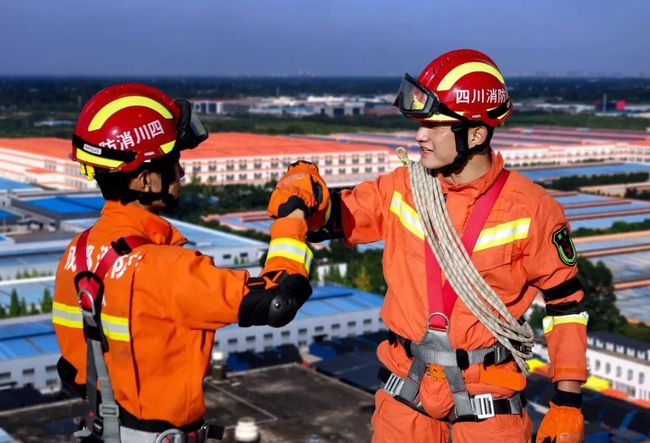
x=477, y=187
x=146, y=223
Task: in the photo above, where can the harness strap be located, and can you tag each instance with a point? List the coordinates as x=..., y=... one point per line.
x=442, y=298
x=90, y=291
x=483, y=406
x=435, y=343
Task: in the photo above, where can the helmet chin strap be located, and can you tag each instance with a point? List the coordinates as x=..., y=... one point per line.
x=461, y=131
x=167, y=177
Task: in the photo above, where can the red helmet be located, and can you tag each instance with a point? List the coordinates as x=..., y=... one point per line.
x=460, y=86
x=127, y=124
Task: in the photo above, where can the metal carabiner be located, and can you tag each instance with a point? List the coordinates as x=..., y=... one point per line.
x=172, y=435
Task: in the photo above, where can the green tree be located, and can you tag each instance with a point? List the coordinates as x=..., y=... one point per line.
x=3, y=312
x=333, y=275
x=32, y=309
x=600, y=299
x=14, y=304
x=362, y=280
x=23, y=307
x=46, y=301
x=537, y=313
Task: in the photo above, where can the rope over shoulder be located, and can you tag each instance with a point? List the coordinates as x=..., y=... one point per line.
x=455, y=262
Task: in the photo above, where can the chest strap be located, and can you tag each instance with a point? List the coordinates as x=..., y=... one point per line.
x=103, y=417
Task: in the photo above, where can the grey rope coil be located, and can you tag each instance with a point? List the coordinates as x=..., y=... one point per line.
x=455, y=262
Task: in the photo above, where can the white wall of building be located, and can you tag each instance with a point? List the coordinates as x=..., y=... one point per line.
x=629, y=375
x=301, y=332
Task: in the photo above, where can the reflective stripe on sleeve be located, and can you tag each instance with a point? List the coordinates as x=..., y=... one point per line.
x=408, y=216
x=292, y=249
x=549, y=322
x=503, y=234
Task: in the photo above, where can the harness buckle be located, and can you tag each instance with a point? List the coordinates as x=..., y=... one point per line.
x=394, y=385
x=108, y=410
x=483, y=406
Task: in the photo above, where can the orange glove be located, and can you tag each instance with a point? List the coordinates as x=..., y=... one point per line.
x=561, y=424
x=303, y=188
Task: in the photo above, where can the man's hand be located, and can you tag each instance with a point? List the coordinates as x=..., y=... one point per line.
x=563, y=423
x=301, y=188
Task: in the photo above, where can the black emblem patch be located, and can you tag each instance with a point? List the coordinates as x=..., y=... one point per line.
x=565, y=247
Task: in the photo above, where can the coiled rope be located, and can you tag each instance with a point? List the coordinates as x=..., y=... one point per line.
x=464, y=278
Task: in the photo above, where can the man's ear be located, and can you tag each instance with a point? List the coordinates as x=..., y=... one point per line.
x=141, y=182
x=476, y=136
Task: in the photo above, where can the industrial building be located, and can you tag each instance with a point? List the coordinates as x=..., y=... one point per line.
x=344, y=159
x=29, y=351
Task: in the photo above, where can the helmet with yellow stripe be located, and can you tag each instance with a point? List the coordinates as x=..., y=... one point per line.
x=126, y=125
x=463, y=86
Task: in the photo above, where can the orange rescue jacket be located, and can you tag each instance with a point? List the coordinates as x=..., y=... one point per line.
x=514, y=253
x=162, y=304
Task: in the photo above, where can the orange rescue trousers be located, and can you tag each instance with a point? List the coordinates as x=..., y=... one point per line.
x=395, y=422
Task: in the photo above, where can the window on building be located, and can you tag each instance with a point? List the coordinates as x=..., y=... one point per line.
x=641, y=378
x=302, y=331
x=608, y=368
x=328, y=161
x=619, y=371
x=52, y=382
x=355, y=170
x=355, y=159
x=368, y=169
x=5, y=376
x=597, y=365
x=257, y=175
x=243, y=176
x=28, y=372
x=226, y=256
x=285, y=334
x=319, y=329
x=352, y=324
x=51, y=368
x=230, y=167
x=336, y=327
x=250, y=339
x=381, y=169
x=232, y=341
x=367, y=321
x=268, y=336
x=243, y=166
x=341, y=170
x=630, y=375
x=257, y=165
x=368, y=158
x=302, y=343
x=328, y=172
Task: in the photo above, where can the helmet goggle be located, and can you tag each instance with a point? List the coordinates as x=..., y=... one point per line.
x=416, y=101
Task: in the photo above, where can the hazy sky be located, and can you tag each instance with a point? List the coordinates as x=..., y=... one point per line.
x=324, y=37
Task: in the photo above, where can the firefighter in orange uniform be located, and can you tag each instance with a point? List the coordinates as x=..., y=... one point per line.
x=135, y=312
x=448, y=359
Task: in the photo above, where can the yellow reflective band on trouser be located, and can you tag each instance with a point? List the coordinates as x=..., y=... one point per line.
x=125, y=102
x=503, y=234
x=115, y=328
x=292, y=249
x=549, y=322
x=407, y=215
x=84, y=156
x=467, y=68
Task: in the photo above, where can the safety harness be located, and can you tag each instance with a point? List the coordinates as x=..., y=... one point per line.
x=435, y=350
x=104, y=416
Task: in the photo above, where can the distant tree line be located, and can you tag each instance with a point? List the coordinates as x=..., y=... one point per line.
x=18, y=306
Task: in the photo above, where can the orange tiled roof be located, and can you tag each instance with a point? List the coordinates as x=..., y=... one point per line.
x=219, y=145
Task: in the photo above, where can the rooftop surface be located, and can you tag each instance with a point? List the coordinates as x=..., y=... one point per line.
x=11, y=185
x=219, y=145
x=289, y=403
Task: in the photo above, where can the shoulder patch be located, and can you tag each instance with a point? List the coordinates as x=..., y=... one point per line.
x=565, y=247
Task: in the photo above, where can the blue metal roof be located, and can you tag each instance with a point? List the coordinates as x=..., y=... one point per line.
x=554, y=173
x=7, y=185
x=68, y=205
x=28, y=338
